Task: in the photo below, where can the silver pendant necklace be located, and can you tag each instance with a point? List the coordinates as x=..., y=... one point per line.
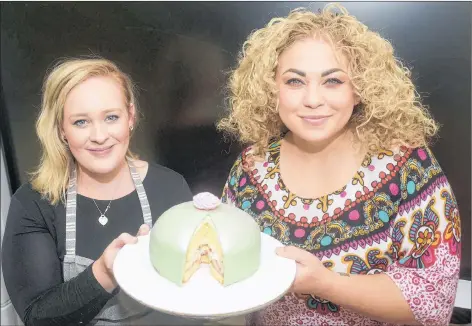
x=102, y=219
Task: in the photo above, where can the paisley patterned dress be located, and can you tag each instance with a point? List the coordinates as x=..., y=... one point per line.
x=397, y=215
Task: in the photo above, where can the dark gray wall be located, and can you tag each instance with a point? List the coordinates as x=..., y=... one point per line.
x=178, y=52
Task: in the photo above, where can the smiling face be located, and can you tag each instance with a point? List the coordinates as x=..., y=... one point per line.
x=97, y=123
x=316, y=97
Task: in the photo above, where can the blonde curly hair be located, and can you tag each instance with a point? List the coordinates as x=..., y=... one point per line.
x=390, y=114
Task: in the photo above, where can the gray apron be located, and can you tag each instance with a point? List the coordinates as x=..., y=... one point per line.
x=120, y=309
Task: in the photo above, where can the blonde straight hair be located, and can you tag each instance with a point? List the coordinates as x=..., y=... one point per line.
x=51, y=177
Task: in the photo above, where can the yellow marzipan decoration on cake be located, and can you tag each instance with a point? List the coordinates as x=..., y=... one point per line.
x=204, y=248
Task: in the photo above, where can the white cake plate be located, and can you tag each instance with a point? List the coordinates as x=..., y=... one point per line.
x=202, y=296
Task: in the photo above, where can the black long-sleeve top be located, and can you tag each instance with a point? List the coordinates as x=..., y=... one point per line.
x=34, y=247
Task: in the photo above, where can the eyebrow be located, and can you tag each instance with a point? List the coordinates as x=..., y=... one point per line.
x=296, y=71
x=85, y=114
x=323, y=74
x=330, y=71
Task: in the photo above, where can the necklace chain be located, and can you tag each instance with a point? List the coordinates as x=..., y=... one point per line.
x=108, y=206
x=102, y=219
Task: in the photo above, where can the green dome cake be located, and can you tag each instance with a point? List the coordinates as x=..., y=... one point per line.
x=205, y=231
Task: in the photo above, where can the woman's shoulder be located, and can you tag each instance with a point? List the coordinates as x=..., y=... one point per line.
x=165, y=187
x=161, y=178
x=29, y=203
x=406, y=166
x=254, y=154
x=422, y=155
x=158, y=171
x=26, y=194
x=251, y=156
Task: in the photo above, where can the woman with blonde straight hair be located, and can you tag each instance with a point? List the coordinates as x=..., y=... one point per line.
x=51, y=177
x=88, y=197
x=337, y=167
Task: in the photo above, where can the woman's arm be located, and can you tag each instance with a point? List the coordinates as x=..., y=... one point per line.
x=374, y=296
x=404, y=294
x=33, y=275
x=419, y=287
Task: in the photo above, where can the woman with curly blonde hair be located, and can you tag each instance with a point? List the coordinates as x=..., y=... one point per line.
x=339, y=169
